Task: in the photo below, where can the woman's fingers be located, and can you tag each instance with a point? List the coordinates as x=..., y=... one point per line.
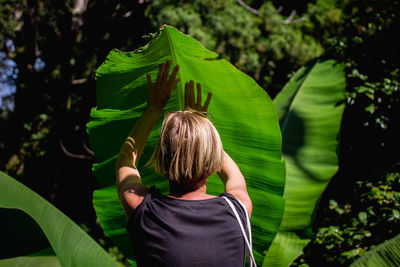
x=161, y=89
x=186, y=94
x=173, y=85
x=149, y=81
x=173, y=74
x=198, y=105
x=192, y=101
x=160, y=74
x=191, y=95
x=166, y=72
x=205, y=107
x=208, y=99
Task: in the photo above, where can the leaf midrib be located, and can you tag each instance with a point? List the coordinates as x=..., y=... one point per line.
x=175, y=61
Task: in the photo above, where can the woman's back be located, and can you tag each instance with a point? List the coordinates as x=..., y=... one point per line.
x=174, y=232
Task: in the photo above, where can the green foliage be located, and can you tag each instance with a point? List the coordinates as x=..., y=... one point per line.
x=326, y=19
x=243, y=114
x=36, y=132
x=361, y=35
x=71, y=244
x=256, y=44
x=310, y=109
x=43, y=140
x=70, y=39
x=371, y=55
x=377, y=98
x=363, y=39
x=352, y=229
x=7, y=21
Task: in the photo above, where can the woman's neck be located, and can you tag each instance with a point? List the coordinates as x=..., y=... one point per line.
x=198, y=194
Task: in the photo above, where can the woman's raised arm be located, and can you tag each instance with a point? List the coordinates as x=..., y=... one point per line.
x=234, y=182
x=130, y=189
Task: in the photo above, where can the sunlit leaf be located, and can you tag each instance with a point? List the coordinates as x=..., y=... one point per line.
x=243, y=114
x=396, y=213
x=362, y=216
x=40, y=261
x=310, y=109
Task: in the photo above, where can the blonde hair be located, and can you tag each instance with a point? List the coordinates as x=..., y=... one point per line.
x=189, y=149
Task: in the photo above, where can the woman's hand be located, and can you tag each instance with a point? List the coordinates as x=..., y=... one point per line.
x=161, y=90
x=192, y=102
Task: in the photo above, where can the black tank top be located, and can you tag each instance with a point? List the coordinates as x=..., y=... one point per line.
x=173, y=232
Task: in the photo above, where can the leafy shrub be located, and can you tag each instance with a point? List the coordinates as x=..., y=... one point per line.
x=351, y=229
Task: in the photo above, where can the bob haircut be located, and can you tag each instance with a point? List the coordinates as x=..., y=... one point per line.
x=189, y=149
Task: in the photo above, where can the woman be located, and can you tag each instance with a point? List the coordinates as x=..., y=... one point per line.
x=187, y=227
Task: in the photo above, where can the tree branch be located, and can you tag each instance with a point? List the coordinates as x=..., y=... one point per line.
x=72, y=155
x=249, y=8
x=88, y=150
x=289, y=20
x=80, y=7
x=299, y=20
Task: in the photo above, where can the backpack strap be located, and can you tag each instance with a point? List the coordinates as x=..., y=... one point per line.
x=247, y=239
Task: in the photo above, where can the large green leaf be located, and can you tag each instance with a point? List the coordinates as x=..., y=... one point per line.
x=71, y=244
x=386, y=254
x=243, y=114
x=40, y=261
x=310, y=109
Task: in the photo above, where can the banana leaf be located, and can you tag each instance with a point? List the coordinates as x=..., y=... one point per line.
x=40, y=261
x=71, y=244
x=310, y=109
x=243, y=114
x=386, y=254
x=45, y=257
